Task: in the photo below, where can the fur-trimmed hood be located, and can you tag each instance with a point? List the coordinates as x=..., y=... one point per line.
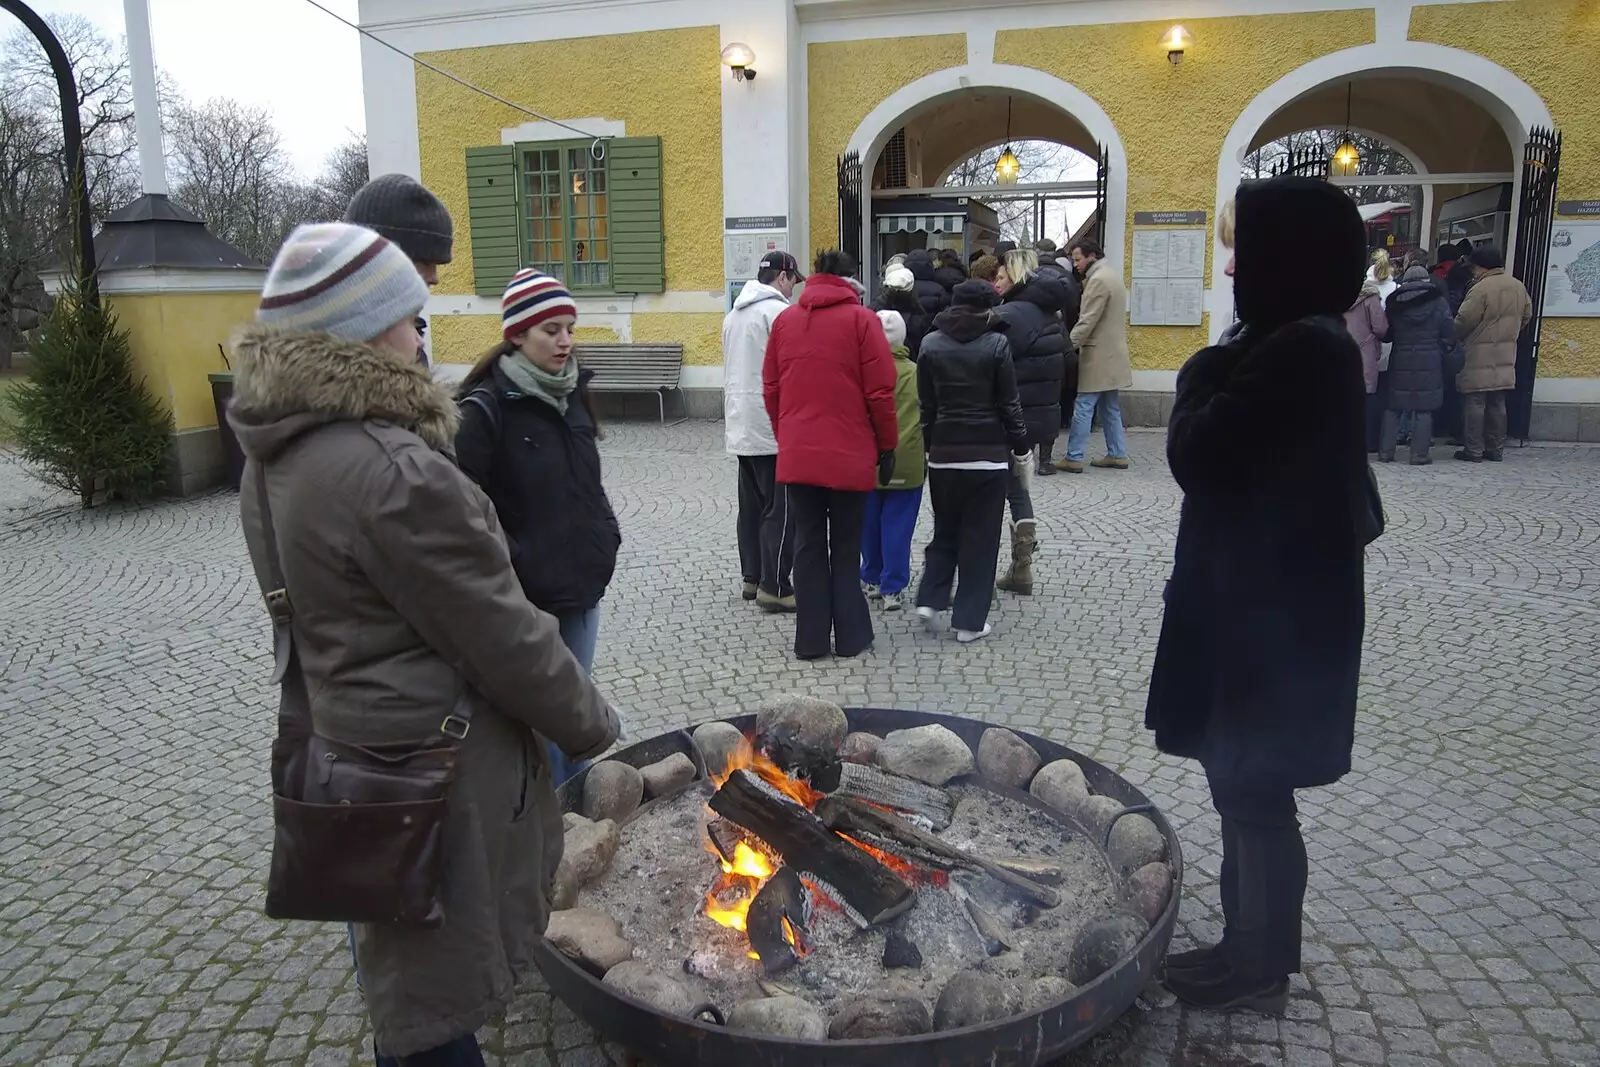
x=288, y=384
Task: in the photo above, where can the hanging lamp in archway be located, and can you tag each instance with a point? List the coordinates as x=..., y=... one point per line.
x=1346, y=159
x=1008, y=167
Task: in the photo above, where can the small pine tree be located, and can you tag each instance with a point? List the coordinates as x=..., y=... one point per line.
x=84, y=422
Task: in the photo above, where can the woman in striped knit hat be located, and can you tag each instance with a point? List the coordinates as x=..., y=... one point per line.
x=406, y=623
x=527, y=436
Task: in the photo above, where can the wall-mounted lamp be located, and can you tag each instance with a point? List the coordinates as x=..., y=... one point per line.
x=742, y=60
x=1175, y=42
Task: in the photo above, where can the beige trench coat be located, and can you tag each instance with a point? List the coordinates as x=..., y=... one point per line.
x=1102, y=332
x=407, y=609
x=1496, y=309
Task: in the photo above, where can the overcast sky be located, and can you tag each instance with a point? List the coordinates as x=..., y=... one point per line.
x=281, y=54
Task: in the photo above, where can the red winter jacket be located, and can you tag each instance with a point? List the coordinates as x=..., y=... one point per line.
x=829, y=387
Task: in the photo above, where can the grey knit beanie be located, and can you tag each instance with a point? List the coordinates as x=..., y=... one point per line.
x=331, y=277
x=399, y=208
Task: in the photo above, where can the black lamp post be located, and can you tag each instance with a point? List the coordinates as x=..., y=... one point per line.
x=72, y=137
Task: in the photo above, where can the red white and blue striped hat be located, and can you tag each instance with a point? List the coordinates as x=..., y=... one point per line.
x=531, y=298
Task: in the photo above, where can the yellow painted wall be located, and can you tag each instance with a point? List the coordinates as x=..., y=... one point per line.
x=1548, y=44
x=664, y=83
x=700, y=333
x=174, y=337
x=463, y=338
x=847, y=80
x=1172, y=120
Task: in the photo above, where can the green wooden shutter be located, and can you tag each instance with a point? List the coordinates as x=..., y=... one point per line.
x=492, y=212
x=638, y=258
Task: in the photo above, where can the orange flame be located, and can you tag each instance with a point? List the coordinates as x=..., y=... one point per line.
x=748, y=871
x=746, y=758
x=906, y=870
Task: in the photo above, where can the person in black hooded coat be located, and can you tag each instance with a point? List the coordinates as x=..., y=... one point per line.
x=949, y=271
x=1260, y=653
x=1423, y=335
x=933, y=297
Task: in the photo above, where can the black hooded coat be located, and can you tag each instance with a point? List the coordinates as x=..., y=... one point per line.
x=1260, y=652
x=933, y=297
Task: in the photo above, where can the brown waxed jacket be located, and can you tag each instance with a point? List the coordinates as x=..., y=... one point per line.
x=406, y=610
x=1496, y=309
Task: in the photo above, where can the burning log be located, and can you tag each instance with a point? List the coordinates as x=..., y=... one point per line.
x=870, y=892
x=852, y=816
x=779, y=921
x=894, y=791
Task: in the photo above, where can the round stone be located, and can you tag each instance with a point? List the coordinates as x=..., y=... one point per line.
x=1048, y=991
x=1149, y=889
x=719, y=742
x=590, y=937
x=788, y=1017
x=1135, y=841
x=860, y=748
x=668, y=775
x=931, y=754
x=881, y=1017
x=1102, y=944
x=1006, y=759
x=661, y=991
x=1061, y=785
x=802, y=720
x=612, y=790
x=970, y=998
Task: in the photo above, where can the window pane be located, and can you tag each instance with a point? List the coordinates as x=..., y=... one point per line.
x=602, y=227
x=552, y=207
x=552, y=161
x=536, y=230
x=535, y=184
x=601, y=249
x=597, y=181
x=580, y=227
x=555, y=231
x=599, y=204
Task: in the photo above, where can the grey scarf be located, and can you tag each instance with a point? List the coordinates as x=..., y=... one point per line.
x=553, y=389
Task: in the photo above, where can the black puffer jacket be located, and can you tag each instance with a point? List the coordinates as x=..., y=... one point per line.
x=967, y=389
x=1423, y=333
x=542, y=471
x=1038, y=351
x=1071, y=293
x=918, y=321
x=933, y=297
x=949, y=277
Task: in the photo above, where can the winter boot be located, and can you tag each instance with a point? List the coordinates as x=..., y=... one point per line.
x=1018, y=578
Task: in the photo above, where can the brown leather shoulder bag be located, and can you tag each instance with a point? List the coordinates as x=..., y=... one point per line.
x=358, y=830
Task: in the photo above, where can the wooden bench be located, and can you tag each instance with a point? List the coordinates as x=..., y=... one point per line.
x=630, y=368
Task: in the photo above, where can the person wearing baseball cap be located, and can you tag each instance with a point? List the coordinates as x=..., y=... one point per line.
x=399, y=618
x=765, y=527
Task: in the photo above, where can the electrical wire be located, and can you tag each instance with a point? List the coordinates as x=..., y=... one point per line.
x=596, y=146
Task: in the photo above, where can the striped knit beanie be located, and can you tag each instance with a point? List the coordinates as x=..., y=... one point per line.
x=332, y=277
x=531, y=298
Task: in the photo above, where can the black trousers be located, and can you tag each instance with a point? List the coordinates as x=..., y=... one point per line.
x=766, y=527
x=968, y=507
x=1263, y=879
x=827, y=572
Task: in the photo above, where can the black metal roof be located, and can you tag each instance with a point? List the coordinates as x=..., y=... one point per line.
x=154, y=232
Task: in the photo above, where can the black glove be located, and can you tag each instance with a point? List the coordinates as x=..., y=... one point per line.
x=885, y=467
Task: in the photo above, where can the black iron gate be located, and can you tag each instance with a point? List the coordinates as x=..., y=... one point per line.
x=1308, y=162
x=1102, y=181
x=1541, y=162
x=850, y=207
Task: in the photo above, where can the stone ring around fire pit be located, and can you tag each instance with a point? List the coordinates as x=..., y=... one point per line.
x=1017, y=865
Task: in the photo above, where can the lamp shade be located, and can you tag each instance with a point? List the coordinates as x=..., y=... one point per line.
x=738, y=55
x=1007, y=167
x=1177, y=39
x=1346, y=159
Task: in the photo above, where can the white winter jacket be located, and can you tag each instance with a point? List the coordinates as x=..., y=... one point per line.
x=744, y=349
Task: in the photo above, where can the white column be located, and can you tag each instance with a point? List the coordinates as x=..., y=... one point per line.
x=146, y=103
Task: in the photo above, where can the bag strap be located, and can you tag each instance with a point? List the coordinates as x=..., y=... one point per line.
x=483, y=399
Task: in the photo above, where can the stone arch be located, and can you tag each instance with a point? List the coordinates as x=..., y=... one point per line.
x=880, y=124
x=1510, y=100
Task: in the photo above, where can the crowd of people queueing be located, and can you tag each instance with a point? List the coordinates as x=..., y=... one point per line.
x=1439, y=350
x=839, y=413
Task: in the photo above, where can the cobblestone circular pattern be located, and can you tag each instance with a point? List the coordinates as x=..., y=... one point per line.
x=1453, y=916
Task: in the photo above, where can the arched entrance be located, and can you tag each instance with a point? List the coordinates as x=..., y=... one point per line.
x=956, y=112
x=1459, y=115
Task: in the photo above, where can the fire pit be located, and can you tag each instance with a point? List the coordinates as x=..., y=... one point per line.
x=784, y=891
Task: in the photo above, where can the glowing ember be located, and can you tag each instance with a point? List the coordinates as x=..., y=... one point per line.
x=746, y=758
x=909, y=871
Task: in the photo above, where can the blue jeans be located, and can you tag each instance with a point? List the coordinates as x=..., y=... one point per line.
x=580, y=632
x=1110, y=423
x=886, y=530
x=460, y=1052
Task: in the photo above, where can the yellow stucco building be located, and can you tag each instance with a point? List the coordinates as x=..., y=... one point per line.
x=646, y=172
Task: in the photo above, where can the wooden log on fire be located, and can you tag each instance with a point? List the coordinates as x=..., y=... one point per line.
x=869, y=892
x=779, y=921
x=852, y=816
x=894, y=791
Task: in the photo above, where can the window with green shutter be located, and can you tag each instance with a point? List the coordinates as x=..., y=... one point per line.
x=589, y=215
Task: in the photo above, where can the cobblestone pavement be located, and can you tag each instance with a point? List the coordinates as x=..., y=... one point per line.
x=1454, y=910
